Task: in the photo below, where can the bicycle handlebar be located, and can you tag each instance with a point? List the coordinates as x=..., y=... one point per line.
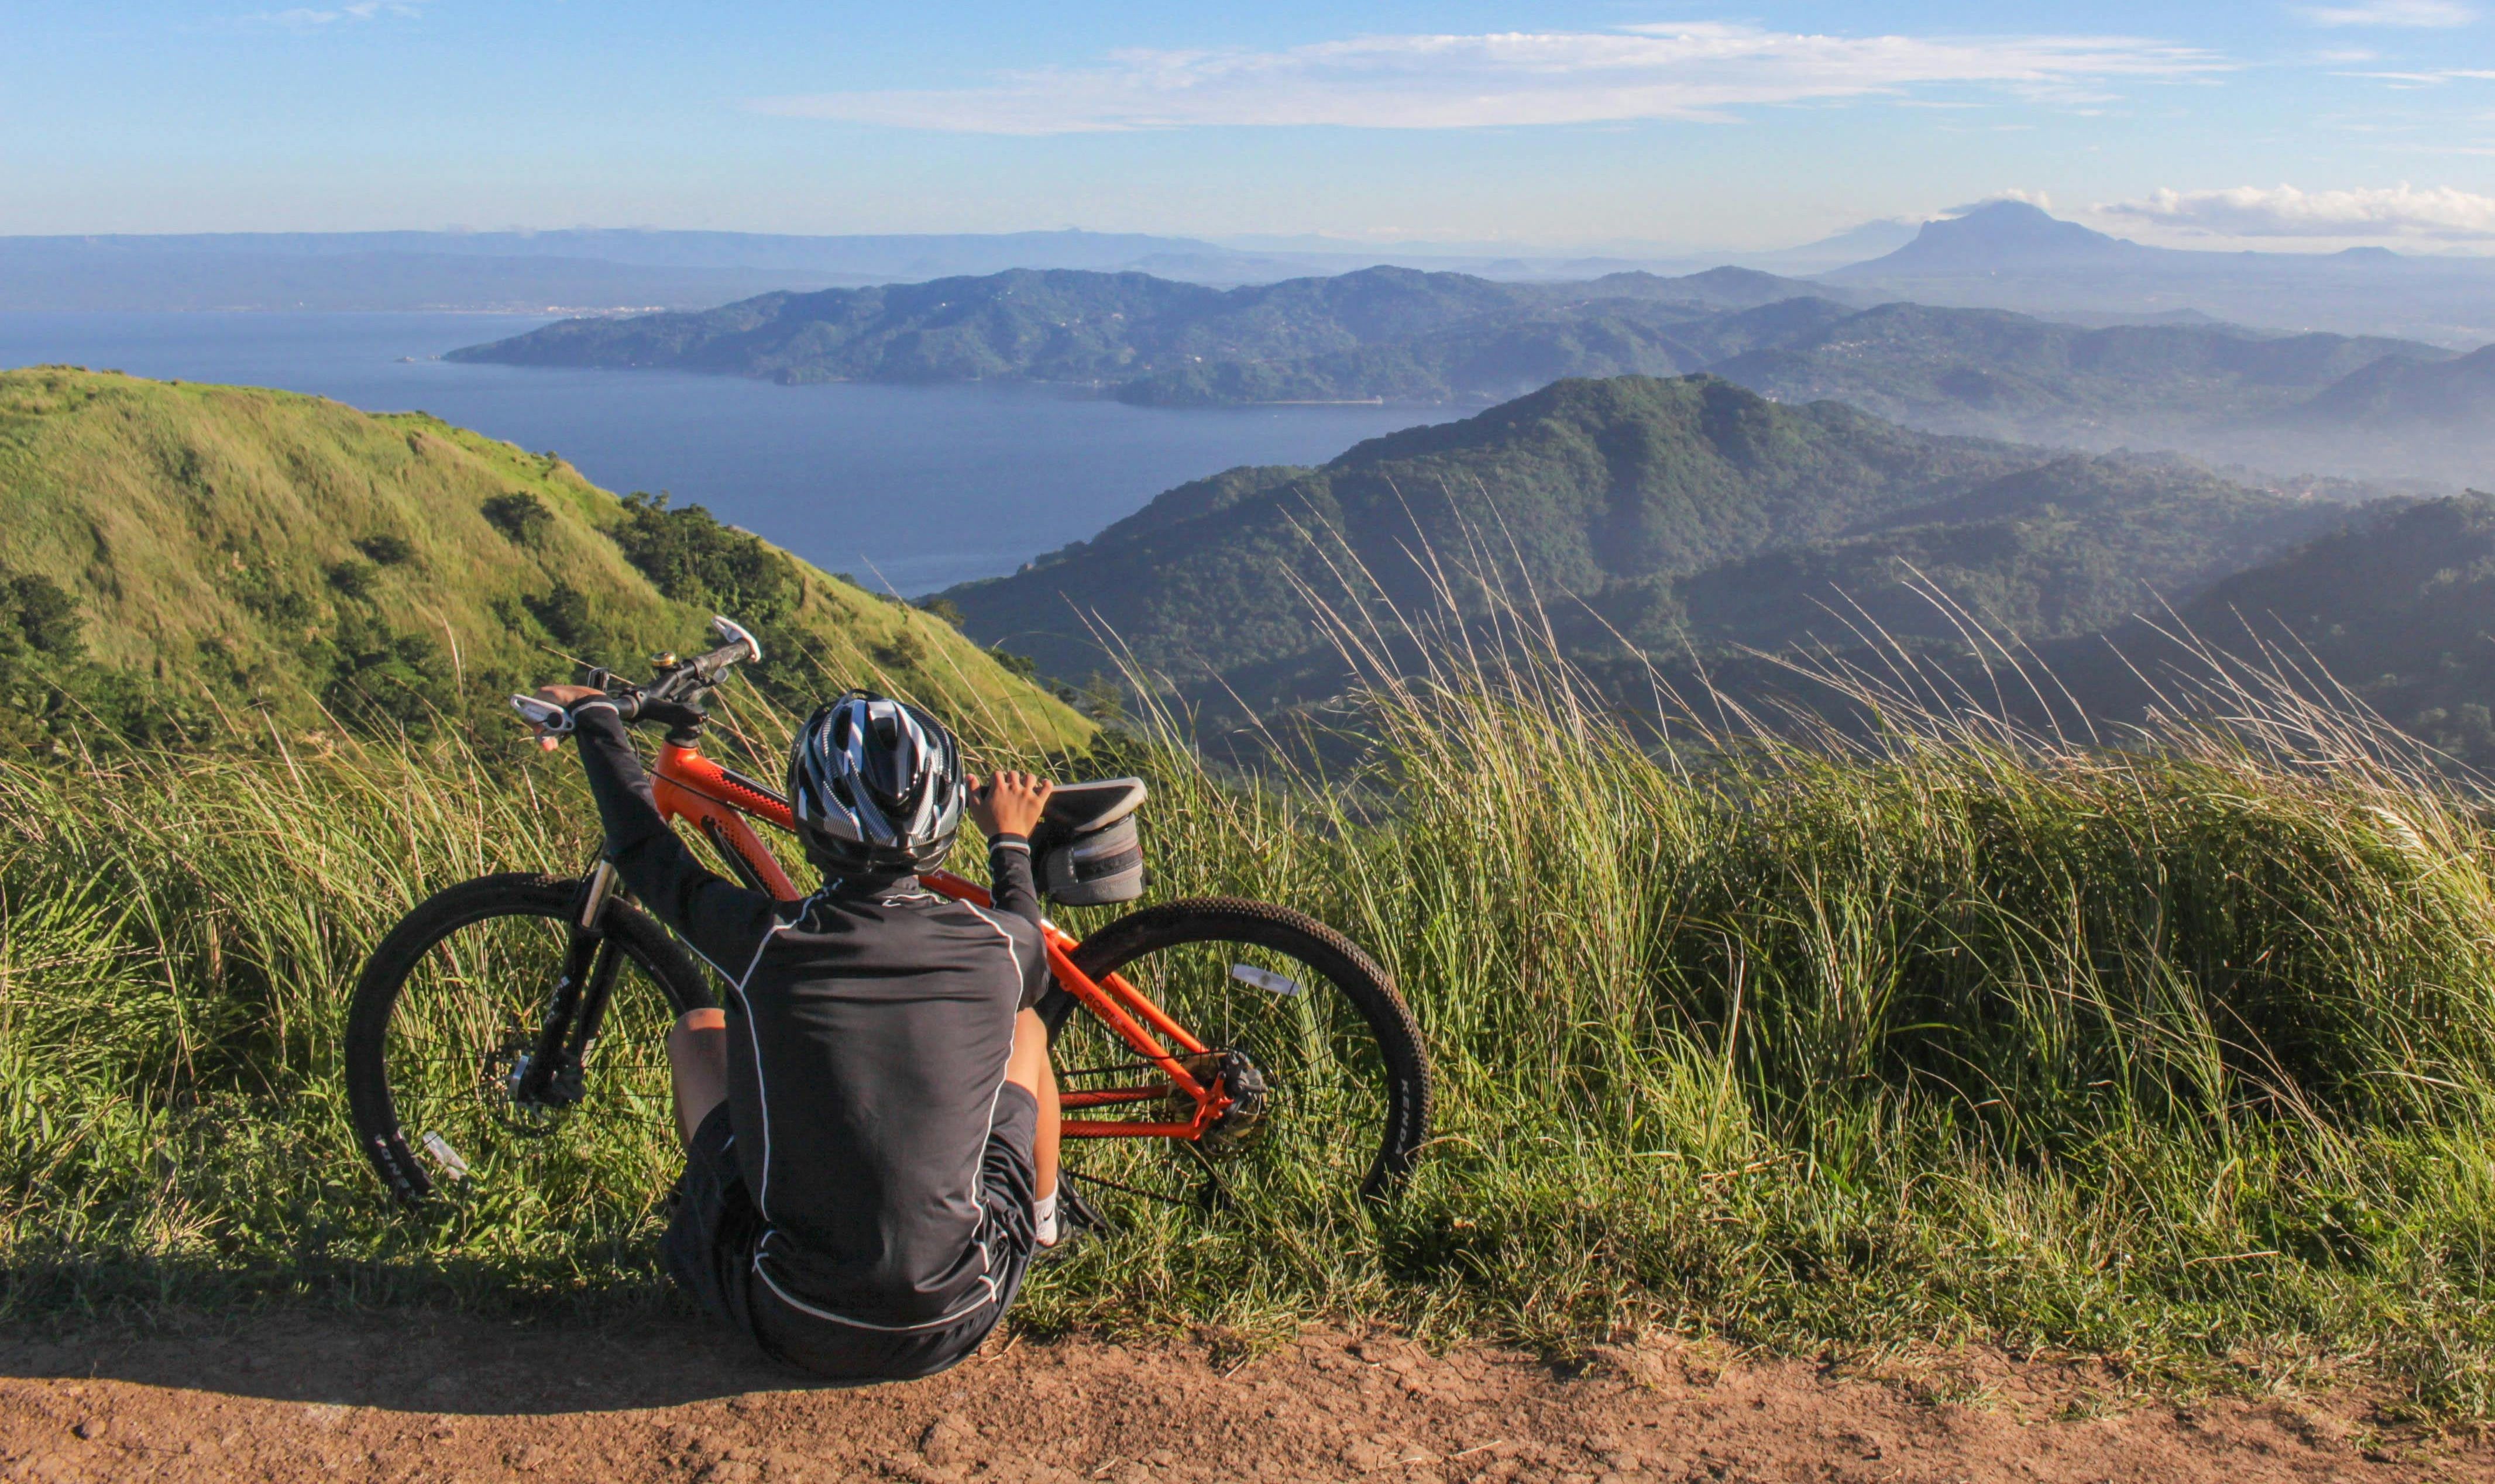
x=673, y=699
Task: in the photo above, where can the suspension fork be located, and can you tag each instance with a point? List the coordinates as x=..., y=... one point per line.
x=577, y=1006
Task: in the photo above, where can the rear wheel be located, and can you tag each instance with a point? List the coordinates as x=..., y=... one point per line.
x=1282, y=1001
x=445, y=1017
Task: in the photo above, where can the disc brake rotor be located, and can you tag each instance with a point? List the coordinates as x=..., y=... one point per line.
x=502, y=1073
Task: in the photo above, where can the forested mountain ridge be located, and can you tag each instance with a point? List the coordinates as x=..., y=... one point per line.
x=1104, y=328
x=1992, y=373
x=2063, y=548
x=2204, y=387
x=1619, y=493
x=2453, y=394
x=188, y=549
x=2400, y=607
x=1495, y=356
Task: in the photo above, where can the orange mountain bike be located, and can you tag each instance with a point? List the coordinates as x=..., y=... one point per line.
x=507, y=1037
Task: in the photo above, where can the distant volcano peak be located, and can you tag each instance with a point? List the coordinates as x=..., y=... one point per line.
x=1998, y=234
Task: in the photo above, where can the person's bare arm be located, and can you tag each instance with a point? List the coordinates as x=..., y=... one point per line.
x=720, y=919
x=1007, y=809
x=1009, y=803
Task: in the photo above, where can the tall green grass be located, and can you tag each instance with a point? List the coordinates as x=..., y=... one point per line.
x=2180, y=1051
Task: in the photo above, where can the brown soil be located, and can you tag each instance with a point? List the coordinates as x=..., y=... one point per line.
x=336, y=1399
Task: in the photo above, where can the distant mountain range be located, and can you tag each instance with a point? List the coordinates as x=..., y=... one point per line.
x=2400, y=606
x=2012, y=256
x=2365, y=407
x=1677, y=516
x=1993, y=373
x=2354, y=405
x=2002, y=256
x=574, y=270
x=607, y=269
x=1358, y=336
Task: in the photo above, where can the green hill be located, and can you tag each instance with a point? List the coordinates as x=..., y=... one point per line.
x=1995, y=373
x=2400, y=607
x=2411, y=393
x=1495, y=356
x=1583, y=488
x=2062, y=549
x=187, y=550
x=2396, y=603
x=1381, y=332
x=1672, y=513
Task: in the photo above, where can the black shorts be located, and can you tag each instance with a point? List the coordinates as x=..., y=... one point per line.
x=711, y=1238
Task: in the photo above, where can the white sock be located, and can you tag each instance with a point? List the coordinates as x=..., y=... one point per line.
x=1043, y=1218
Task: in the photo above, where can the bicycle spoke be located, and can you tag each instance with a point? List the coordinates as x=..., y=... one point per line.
x=468, y=1010
x=1324, y=1105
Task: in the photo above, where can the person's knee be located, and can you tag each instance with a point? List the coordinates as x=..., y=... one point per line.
x=697, y=1044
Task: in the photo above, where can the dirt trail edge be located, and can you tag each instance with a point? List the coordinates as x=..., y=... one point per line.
x=344, y=1399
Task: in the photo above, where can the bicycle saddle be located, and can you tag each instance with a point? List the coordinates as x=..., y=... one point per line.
x=1080, y=808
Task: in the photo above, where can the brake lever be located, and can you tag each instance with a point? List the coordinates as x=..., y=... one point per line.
x=552, y=722
x=545, y=715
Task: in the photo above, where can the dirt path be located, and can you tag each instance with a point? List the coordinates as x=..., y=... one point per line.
x=438, y=1398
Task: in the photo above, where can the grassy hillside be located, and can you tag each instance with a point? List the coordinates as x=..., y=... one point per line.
x=2180, y=1056
x=1621, y=493
x=231, y=551
x=1391, y=332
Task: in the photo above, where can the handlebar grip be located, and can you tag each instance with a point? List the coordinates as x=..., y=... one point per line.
x=546, y=716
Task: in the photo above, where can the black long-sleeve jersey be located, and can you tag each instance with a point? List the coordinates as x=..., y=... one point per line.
x=867, y=1043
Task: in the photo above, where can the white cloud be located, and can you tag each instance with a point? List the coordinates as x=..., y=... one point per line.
x=1695, y=71
x=2036, y=199
x=308, y=18
x=2397, y=211
x=2393, y=13
x=2436, y=79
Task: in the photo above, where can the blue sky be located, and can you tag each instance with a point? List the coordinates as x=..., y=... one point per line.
x=2308, y=125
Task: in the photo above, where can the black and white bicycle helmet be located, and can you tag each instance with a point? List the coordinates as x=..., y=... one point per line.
x=875, y=786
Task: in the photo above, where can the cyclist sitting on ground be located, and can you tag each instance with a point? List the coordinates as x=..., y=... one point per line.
x=871, y=1121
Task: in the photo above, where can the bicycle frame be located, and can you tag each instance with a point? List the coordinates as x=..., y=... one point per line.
x=719, y=801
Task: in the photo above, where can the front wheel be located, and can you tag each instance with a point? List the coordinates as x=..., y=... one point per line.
x=1282, y=1000
x=450, y=1011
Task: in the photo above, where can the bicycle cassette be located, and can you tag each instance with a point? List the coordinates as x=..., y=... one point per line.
x=1242, y=1084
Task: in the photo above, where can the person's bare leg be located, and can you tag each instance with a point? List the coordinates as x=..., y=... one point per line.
x=1027, y=1069
x=697, y=1066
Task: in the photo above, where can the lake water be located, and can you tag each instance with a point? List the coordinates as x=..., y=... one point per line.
x=917, y=486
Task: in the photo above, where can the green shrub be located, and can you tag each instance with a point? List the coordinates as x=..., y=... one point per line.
x=385, y=550
x=564, y=609
x=352, y=579
x=688, y=555
x=520, y=515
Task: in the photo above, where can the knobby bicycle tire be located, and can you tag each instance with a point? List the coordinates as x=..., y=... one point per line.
x=1403, y=1109
x=402, y=956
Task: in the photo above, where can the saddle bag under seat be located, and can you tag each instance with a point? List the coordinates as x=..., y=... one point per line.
x=1095, y=860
